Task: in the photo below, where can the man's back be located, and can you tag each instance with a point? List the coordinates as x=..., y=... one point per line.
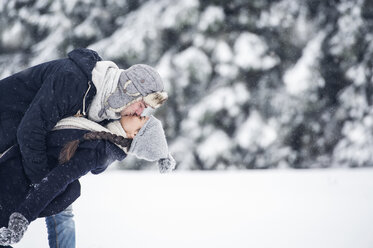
x=18, y=90
x=33, y=100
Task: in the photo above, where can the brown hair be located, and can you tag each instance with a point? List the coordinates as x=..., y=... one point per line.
x=69, y=148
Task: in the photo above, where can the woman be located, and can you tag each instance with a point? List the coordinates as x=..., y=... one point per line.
x=75, y=147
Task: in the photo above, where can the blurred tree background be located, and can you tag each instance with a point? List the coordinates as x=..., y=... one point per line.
x=252, y=84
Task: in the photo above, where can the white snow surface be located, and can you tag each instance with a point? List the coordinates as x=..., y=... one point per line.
x=210, y=16
x=303, y=75
x=144, y=25
x=272, y=208
x=256, y=131
x=250, y=53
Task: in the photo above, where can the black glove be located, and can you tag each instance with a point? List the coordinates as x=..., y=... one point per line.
x=17, y=226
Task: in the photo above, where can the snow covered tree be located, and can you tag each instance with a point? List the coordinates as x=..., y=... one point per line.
x=252, y=84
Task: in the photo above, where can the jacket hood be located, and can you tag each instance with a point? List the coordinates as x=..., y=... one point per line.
x=85, y=59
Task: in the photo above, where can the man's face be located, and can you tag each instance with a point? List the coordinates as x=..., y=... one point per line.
x=134, y=109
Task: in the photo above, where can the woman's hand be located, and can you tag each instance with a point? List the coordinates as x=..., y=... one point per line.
x=5, y=236
x=16, y=228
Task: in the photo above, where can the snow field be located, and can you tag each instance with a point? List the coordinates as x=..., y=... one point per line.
x=270, y=208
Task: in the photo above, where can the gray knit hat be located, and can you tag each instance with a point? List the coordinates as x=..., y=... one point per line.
x=139, y=82
x=150, y=144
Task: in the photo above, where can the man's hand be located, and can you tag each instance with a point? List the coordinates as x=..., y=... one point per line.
x=16, y=228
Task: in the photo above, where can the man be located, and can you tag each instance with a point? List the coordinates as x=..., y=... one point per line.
x=34, y=100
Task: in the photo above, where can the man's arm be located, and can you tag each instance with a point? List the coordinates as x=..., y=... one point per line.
x=58, y=97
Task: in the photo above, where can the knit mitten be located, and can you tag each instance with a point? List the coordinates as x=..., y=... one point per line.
x=17, y=226
x=5, y=236
x=166, y=164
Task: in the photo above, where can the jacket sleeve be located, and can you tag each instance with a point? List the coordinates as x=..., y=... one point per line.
x=56, y=181
x=59, y=96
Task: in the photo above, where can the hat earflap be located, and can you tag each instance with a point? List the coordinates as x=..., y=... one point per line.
x=156, y=99
x=118, y=110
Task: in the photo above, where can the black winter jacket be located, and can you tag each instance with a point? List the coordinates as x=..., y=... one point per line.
x=60, y=186
x=34, y=100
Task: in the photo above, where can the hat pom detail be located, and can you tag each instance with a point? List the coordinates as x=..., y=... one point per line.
x=166, y=164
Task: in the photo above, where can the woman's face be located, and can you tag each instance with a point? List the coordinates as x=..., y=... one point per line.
x=132, y=124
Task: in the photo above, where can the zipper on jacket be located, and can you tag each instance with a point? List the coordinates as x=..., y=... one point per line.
x=78, y=114
x=7, y=150
x=85, y=95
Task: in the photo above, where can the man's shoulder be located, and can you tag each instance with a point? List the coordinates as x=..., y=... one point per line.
x=78, y=65
x=85, y=60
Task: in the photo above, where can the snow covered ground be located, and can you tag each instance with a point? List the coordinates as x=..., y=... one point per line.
x=272, y=208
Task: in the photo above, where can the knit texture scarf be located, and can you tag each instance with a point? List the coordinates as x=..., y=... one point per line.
x=105, y=77
x=82, y=123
